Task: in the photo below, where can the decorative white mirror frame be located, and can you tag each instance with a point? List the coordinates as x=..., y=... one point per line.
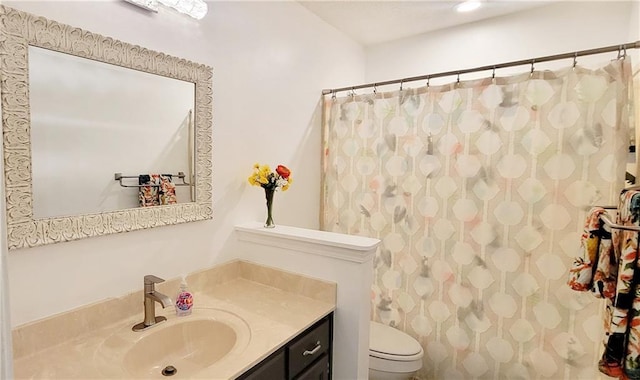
x=18, y=30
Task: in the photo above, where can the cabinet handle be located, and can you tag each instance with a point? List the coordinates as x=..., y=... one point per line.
x=316, y=349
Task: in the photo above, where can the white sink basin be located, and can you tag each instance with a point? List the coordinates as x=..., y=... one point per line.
x=186, y=344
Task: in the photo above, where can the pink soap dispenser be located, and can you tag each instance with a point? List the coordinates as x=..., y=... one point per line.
x=184, y=300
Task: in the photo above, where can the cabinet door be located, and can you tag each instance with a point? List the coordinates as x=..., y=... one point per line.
x=318, y=371
x=272, y=368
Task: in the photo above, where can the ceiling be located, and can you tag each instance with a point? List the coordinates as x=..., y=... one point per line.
x=373, y=22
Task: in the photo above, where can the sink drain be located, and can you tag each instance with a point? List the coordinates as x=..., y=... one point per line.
x=169, y=370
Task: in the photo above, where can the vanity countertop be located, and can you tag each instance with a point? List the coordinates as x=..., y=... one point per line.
x=274, y=306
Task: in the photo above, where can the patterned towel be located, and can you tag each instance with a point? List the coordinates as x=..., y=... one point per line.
x=161, y=190
x=148, y=195
x=167, y=193
x=581, y=274
x=621, y=357
x=605, y=274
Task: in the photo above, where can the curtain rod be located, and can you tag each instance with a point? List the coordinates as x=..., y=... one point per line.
x=621, y=49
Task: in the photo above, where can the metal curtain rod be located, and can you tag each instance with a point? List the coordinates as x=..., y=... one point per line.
x=621, y=49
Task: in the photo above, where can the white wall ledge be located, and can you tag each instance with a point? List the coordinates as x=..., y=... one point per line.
x=343, y=259
x=341, y=246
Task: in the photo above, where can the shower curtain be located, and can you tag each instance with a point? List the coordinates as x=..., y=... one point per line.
x=478, y=191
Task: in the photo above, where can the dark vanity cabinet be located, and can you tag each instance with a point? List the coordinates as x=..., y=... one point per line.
x=305, y=357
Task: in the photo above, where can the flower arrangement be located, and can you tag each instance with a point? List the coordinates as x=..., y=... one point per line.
x=270, y=181
x=263, y=176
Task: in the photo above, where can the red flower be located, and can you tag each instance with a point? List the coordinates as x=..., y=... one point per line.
x=283, y=171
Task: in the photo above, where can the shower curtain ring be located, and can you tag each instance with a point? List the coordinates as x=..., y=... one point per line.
x=458, y=79
x=428, y=81
x=575, y=60
x=375, y=88
x=401, y=83
x=353, y=92
x=333, y=94
x=493, y=74
x=624, y=51
x=533, y=61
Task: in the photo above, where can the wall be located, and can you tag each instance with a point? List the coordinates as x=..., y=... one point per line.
x=341, y=259
x=552, y=29
x=634, y=24
x=270, y=61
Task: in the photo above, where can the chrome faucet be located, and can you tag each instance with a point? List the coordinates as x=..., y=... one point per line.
x=150, y=299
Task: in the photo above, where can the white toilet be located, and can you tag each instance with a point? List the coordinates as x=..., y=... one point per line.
x=393, y=355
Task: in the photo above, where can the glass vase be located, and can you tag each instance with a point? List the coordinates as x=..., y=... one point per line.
x=268, y=193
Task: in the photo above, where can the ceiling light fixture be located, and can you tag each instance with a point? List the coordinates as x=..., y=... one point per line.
x=194, y=8
x=150, y=5
x=468, y=6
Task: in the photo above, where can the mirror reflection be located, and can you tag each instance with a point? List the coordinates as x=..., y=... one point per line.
x=90, y=120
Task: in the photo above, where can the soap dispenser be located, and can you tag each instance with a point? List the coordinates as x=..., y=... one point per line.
x=184, y=300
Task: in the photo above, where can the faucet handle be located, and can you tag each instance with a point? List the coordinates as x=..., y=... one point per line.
x=151, y=279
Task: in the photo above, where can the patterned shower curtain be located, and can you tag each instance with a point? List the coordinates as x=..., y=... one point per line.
x=478, y=191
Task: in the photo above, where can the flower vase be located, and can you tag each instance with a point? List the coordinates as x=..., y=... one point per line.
x=269, y=196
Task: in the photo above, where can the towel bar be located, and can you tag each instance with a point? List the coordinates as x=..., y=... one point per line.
x=618, y=226
x=181, y=175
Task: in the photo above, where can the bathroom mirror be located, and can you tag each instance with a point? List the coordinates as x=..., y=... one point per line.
x=36, y=168
x=90, y=120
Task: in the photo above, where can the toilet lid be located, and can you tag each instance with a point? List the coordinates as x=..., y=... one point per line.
x=386, y=340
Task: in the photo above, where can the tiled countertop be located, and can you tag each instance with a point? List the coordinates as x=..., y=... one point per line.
x=274, y=306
